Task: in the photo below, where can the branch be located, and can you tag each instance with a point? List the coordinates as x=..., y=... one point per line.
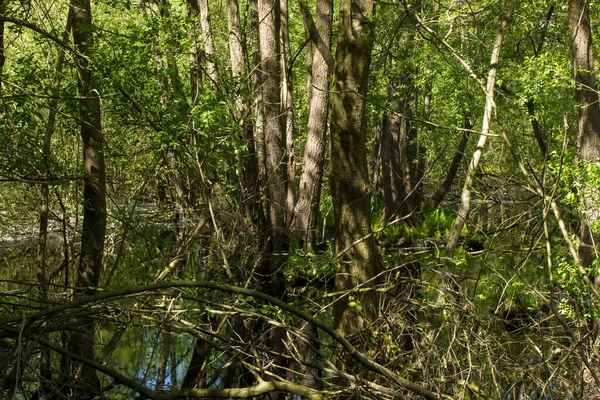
x=352, y=351
x=313, y=33
x=262, y=387
x=42, y=32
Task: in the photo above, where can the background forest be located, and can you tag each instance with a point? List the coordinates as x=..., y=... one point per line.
x=303, y=199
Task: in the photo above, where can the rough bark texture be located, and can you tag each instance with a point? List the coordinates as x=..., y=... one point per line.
x=391, y=172
x=197, y=56
x=411, y=157
x=306, y=212
x=250, y=181
x=287, y=108
x=257, y=108
x=209, y=44
x=402, y=159
x=275, y=166
x=89, y=268
x=274, y=134
x=350, y=189
x=589, y=117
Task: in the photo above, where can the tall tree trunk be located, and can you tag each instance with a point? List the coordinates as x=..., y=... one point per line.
x=465, y=200
x=306, y=212
x=250, y=179
x=402, y=159
x=287, y=108
x=89, y=268
x=197, y=55
x=354, y=244
x=411, y=157
x=257, y=77
x=275, y=165
x=394, y=195
x=274, y=134
x=209, y=44
x=589, y=118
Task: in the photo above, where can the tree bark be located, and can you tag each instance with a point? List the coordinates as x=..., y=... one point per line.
x=209, y=44
x=275, y=166
x=250, y=177
x=402, y=159
x=411, y=157
x=258, y=109
x=287, y=108
x=354, y=244
x=589, y=118
x=274, y=134
x=197, y=55
x=394, y=195
x=306, y=212
x=90, y=266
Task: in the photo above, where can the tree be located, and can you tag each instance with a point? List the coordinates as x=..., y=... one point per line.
x=90, y=265
x=209, y=45
x=274, y=134
x=465, y=198
x=200, y=298
x=306, y=212
x=250, y=179
x=350, y=190
x=589, y=117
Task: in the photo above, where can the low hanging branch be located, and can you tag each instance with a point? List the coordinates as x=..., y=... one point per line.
x=261, y=388
x=44, y=33
x=366, y=362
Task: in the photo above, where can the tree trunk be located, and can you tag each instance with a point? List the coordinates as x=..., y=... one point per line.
x=443, y=189
x=250, y=179
x=411, y=157
x=287, y=109
x=274, y=134
x=195, y=376
x=354, y=244
x=275, y=167
x=196, y=52
x=465, y=200
x=209, y=44
x=258, y=109
x=589, y=118
x=306, y=212
x=394, y=195
x=89, y=268
x=402, y=159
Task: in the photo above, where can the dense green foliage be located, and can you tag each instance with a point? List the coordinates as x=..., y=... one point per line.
x=510, y=316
